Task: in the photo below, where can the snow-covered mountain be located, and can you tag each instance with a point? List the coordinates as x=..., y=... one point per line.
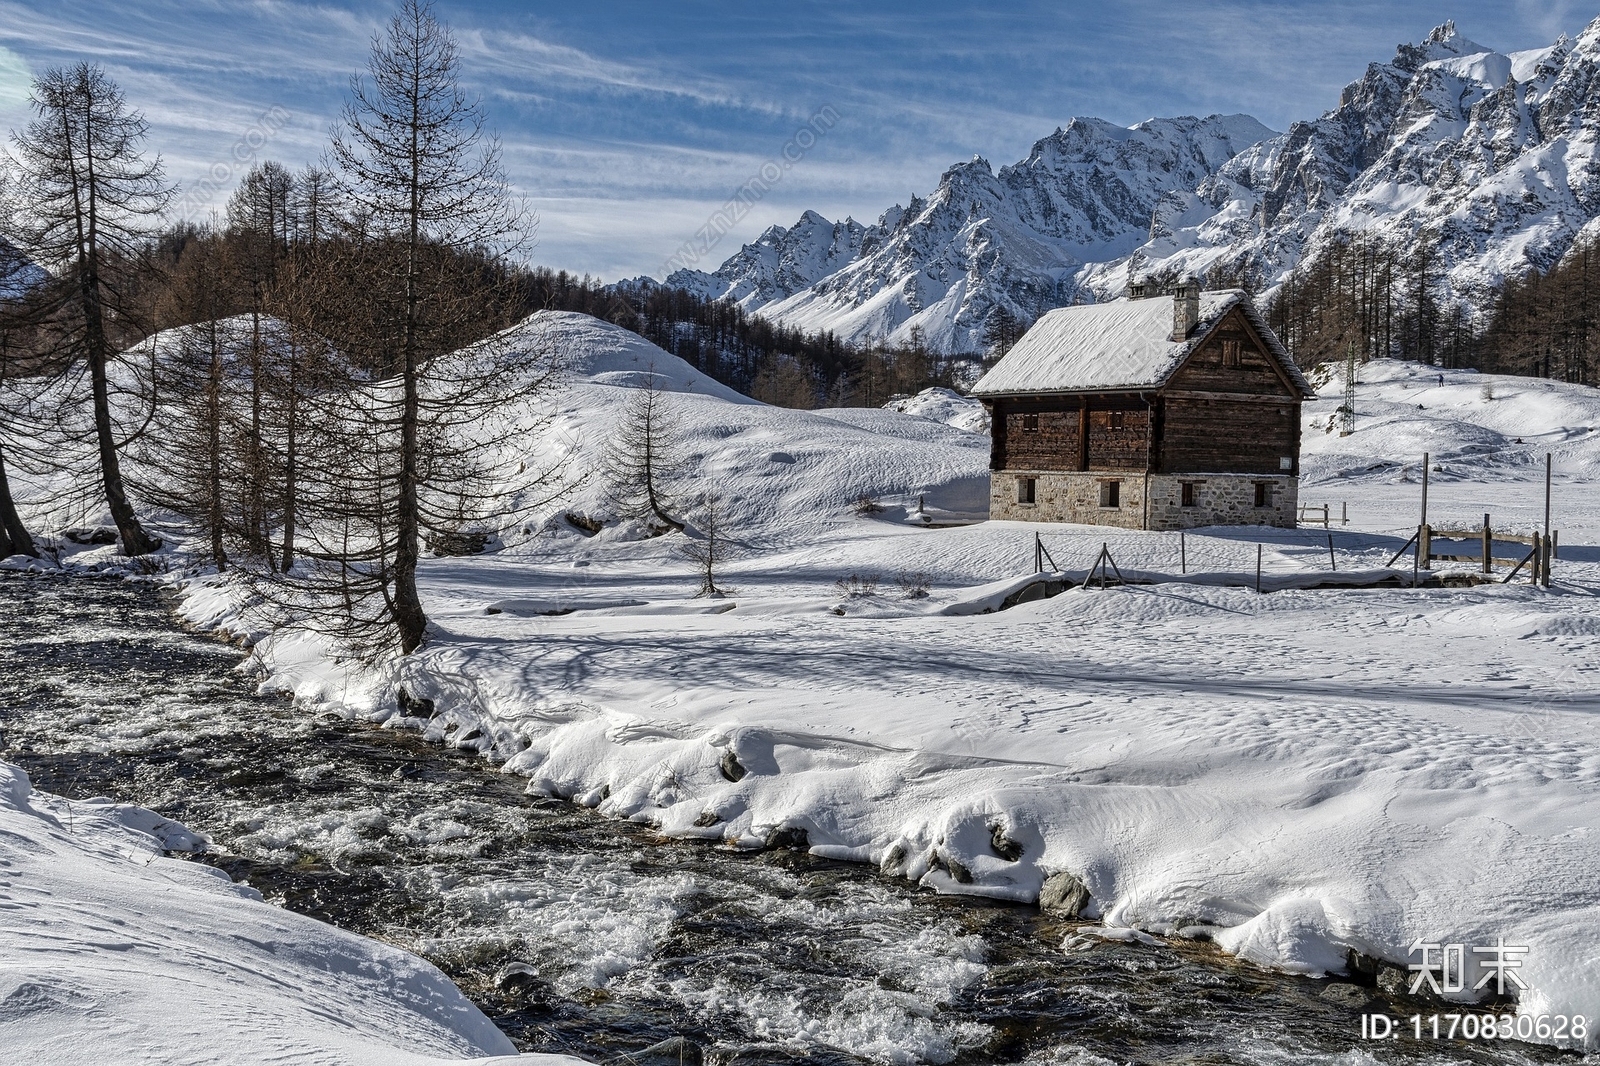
x=981, y=239
x=1491, y=155
x=780, y=263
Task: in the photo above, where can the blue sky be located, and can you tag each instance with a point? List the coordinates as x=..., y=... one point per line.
x=627, y=123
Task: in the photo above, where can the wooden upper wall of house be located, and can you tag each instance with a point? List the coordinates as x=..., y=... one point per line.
x=1233, y=359
x=1050, y=433
x=1219, y=436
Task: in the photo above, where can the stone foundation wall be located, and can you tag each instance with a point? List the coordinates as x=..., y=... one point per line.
x=1219, y=499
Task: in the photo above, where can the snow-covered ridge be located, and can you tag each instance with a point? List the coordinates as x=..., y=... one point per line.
x=982, y=239
x=1493, y=155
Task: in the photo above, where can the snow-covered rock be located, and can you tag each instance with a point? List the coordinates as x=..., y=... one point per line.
x=945, y=406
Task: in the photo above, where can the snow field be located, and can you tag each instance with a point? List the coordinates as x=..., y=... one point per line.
x=1295, y=775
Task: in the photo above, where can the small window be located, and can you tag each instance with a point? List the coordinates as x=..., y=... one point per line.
x=1230, y=353
x=1189, y=493
x=1263, y=494
x=1026, y=489
x=1119, y=419
x=1030, y=423
x=1110, y=494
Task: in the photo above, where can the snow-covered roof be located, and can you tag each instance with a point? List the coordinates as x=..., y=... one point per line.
x=1121, y=344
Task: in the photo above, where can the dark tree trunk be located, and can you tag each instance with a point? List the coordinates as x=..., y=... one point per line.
x=291, y=457
x=135, y=541
x=408, y=614
x=14, y=538
x=219, y=555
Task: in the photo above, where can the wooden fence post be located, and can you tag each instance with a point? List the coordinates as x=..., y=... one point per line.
x=1488, y=546
x=1538, y=557
x=1425, y=547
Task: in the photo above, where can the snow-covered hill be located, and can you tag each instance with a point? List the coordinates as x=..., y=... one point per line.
x=778, y=473
x=1492, y=155
x=1476, y=427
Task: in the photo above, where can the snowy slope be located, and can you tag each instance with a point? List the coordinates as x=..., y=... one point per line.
x=1475, y=426
x=1487, y=436
x=112, y=953
x=778, y=473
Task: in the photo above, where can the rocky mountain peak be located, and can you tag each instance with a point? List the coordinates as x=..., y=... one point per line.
x=1495, y=156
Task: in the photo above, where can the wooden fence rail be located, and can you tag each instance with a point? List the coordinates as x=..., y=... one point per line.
x=1543, y=549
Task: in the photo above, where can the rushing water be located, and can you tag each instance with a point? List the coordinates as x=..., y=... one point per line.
x=581, y=934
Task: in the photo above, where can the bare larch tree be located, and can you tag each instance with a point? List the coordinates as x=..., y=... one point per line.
x=643, y=457
x=707, y=545
x=428, y=226
x=88, y=197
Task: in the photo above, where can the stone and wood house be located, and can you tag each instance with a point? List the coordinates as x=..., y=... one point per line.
x=1150, y=412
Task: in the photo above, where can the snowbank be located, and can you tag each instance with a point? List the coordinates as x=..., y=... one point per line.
x=113, y=953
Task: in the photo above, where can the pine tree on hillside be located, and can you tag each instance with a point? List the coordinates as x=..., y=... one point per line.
x=644, y=459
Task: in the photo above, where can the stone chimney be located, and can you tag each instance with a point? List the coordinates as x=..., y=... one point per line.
x=1185, y=309
x=1138, y=290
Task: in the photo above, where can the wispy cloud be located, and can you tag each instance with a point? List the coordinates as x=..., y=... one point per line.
x=628, y=121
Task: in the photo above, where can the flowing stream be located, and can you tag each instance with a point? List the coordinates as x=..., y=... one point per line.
x=585, y=935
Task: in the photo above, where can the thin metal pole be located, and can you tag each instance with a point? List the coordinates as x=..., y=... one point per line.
x=1416, y=558
x=1258, y=568
x=1344, y=513
x=1547, y=464
x=1183, y=554
x=1425, y=465
x=1332, y=562
x=1548, y=554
